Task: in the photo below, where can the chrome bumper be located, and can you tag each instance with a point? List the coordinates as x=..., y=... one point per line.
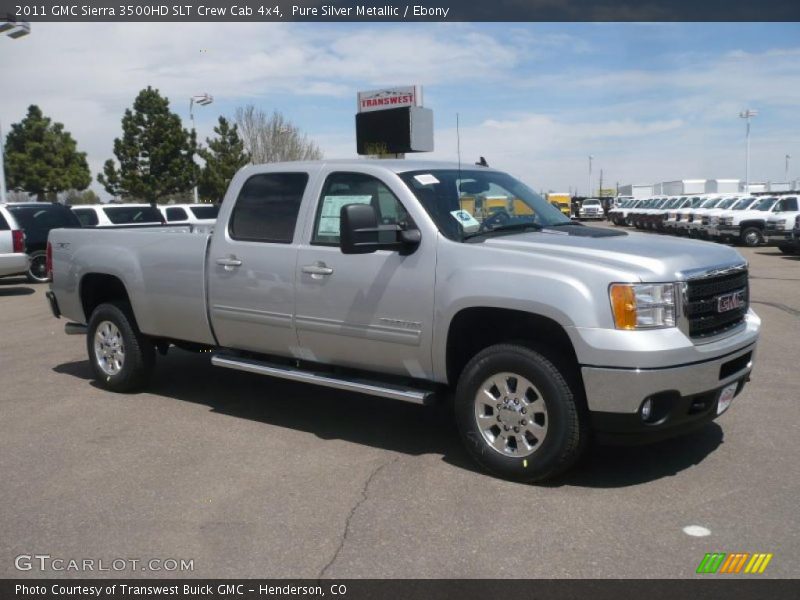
x=615, y=390
x=778, y=236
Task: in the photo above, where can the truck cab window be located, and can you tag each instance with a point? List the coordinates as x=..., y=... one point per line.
x=267, y=208
x=176, y=214
x=341, y=189
x=87, y=216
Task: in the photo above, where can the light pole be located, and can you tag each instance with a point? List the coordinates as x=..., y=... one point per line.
x=14, y=30
x=747, y=115
x=202, y=100
x=786, y=169
x=589, y=181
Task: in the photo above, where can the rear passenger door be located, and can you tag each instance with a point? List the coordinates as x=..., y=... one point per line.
x=252, y=265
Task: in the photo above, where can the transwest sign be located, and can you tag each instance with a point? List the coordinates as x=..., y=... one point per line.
x=394, y=97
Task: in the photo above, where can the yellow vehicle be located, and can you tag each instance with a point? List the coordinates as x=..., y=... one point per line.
x=561, y=201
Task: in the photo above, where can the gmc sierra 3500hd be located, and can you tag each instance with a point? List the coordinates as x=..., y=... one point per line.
x=379, y=277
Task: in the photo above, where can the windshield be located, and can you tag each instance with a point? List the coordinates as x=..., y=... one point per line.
x=120, y=215
x=672, y=203
x=711, y=203
x=205, y=212
x=695, y=202
x=590, y=202
x=764, y=204
x=744, y=203
x=726, y=203
x=464, y=203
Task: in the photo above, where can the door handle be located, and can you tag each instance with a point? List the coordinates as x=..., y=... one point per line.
x=317, y=270
x=229, y=262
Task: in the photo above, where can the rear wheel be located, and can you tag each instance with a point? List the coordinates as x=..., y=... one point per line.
x=122, y=357
x=37, y=270
x=751, y=237
x=517, y=415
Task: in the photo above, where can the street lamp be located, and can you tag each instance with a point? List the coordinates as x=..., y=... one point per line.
x=747, y=115
x=202, y=100
x=15, y=30
x=786, y=172
x=589, y=186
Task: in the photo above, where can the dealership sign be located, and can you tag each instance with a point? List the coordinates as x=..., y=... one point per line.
x=395, y=97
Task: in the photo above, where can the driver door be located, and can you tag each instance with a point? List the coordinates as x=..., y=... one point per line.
x=366, y=311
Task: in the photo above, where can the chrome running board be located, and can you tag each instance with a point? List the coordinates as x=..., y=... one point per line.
x=348, y=384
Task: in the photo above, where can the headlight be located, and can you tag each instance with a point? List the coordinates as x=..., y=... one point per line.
x=726, y=220
x=780, y=224
x=643, y=305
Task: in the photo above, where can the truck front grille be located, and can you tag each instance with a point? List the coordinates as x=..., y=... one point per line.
x=703, y=299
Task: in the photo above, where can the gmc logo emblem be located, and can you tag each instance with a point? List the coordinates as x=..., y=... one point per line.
x=730, y=301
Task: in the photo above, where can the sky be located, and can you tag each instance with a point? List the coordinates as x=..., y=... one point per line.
x=650, y=102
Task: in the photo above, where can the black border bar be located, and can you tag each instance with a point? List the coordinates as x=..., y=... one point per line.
x=398, y=11
x=697, y=588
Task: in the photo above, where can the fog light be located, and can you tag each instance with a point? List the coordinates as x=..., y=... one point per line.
x=647, y=409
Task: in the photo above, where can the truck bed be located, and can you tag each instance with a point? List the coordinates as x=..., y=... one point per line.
x=163, y=269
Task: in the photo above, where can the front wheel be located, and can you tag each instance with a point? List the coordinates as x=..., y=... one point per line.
x=517, y=415
x=37, y=270
x=122, y=358
x=752, y=237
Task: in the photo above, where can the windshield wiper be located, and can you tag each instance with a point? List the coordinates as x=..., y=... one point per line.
x=508, y=228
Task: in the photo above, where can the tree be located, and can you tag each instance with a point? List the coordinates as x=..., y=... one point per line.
x=224, y=156
x=155, y=153
x=75, y=197
x=42, y=158
x=273, y=138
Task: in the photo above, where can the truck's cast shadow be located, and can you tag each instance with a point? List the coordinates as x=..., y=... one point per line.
x=12, y=286
x=392, y=425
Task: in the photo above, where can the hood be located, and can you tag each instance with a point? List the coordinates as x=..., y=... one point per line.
x=639, y=255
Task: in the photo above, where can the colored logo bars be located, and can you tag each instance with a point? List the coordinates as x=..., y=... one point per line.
x=737, y=562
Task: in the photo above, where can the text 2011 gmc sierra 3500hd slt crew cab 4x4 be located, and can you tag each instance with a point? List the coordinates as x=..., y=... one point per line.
x=389, y=278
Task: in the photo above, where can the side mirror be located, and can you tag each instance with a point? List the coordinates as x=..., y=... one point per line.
x=359, y=232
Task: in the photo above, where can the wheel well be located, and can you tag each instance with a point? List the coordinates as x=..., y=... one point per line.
x=757, y=223
x=474, y=329
x=97, y=288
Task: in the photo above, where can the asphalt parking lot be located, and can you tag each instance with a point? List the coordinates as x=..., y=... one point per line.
x=253, y=477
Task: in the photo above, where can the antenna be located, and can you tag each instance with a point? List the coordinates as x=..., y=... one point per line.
x=458, y=145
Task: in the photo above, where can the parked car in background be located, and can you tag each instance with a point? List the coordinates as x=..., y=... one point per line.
x=620, y=215
x=193, y=214
x=796, y=235
x=36, y=219
x=715, y=218
x=686, y=214
x=778, y=229
x=660, y=216
x=114, y=215
x=746, y=227
x=591, y=209
x=674, y=215
x=13, y=259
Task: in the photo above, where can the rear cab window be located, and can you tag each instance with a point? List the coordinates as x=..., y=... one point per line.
x=124, y=215
x=44, y=218
x=176, y=213
x=267, y=207
x=205, y=212
x=87, y=216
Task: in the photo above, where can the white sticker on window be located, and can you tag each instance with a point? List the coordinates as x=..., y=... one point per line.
x=426, y=179
x=468, y=223
x=332, y=208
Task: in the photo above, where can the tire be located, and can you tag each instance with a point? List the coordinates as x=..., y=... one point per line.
x=556, y=430
x=37, y=270
x=122, y=358
x=751, y=237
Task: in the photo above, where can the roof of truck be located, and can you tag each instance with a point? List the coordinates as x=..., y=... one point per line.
x=398, y=165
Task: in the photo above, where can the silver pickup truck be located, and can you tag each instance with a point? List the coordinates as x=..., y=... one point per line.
x=419, y=280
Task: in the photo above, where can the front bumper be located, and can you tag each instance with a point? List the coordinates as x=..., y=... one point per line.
x=778, y=237
x=685, y=396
